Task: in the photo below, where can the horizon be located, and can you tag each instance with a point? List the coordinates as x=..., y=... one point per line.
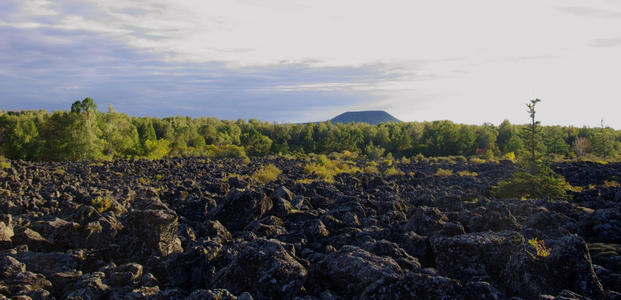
x=297, y=62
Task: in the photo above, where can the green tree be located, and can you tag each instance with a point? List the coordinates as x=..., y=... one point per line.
x=256, y=143
x=604, y=142
x=533, y=178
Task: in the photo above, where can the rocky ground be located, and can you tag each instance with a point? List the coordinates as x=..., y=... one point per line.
x=186, y=228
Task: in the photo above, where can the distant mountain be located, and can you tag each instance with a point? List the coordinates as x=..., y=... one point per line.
x=373, y=117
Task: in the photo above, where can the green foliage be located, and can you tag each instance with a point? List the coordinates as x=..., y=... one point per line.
x=83, y=132
x=393, y=171
x=374, y=152
x=266, y=174
x=325, y=169
x=101, y=204
x=544, y=184
x=540, y=247
x=443, y=172
x=467, y=173
x=4, y=164
x=534, y=178
x=156, y=149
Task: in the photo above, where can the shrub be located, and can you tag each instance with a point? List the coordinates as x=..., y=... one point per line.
x=266, y=174
x=374, y=152
x=393, y=171
x=101, y=204
x=4, y=164
x=544, y=184
x=467, y=173
x=326, y=169
x=405, y=160
x=510, y=156
x=476, y=160
x=443, y=172
x=386, y=163
x=540, y=247
x=156, y=149
x=370, y=169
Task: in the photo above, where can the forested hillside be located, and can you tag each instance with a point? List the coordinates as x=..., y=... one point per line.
x=86, y=133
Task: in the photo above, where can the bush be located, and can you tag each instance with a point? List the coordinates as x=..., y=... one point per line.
x=544, y=184
x=540, y=247
x=156, y=149
x=476, y=160
x=393, y=171
x=266, y=174
x=370, y=169
x=443, y=172
x=467, y=173
x=4, y=164
x=101, y=204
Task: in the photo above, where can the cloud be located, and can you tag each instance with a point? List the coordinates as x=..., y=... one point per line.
x=606, y=43
x=599, y=12
x=50, y=68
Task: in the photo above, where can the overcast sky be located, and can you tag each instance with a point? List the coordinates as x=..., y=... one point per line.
x=295, y=61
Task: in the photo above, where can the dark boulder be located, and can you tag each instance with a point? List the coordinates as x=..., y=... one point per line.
x=153, y=231
x=265, y=269
x=426, y=220
x=240, y=208
x=475, y=255
x=414, y=285
x=567, y=267
x=352, y=269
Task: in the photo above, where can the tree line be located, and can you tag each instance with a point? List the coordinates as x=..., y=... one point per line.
x=84, y=132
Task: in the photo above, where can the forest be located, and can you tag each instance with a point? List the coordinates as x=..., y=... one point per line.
x=85, y=133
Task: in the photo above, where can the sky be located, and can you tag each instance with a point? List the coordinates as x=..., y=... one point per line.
x=299, y=61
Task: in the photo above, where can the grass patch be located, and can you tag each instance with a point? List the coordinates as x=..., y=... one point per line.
x=266, y=174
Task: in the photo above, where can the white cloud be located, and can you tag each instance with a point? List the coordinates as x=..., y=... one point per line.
x=470, y=61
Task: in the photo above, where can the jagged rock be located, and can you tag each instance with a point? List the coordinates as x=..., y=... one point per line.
x=478, y=254
x=145, y=292
x=351, y=269
x=265, y=269
x=124, y=275
x=390, y=249
x=481, y=290
x=34, y=240
x=55, y=262
x=415, y=244
x=216, y=294
x=63, y=281
x=603, y=225
x=315, y=229
x=10, y=267
x=17, y=280
x=190, y=270
x=495, y=216
x=568, y=266
x=240, y=208
x=88, y=286
x=215, y=230
x=155, y=231
x=414, y=285
x=426, y=220
x=6, y=231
